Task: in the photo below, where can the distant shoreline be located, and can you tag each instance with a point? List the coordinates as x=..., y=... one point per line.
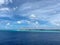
x=33, y=30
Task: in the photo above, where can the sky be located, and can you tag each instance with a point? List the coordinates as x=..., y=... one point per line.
x=17, y=14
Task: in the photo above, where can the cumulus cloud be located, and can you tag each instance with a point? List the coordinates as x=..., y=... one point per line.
x=19, y=22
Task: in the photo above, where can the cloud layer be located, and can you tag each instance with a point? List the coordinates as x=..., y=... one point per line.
x=33, y=14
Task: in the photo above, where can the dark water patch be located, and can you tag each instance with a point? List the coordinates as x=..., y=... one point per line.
x=29, y=38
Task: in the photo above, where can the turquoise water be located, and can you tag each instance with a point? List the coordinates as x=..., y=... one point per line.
x=42, y=30
x=36, y=30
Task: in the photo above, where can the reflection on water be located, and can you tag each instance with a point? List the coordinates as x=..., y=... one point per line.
x=29, y=38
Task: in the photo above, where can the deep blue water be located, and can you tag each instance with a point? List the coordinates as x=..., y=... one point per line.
x=29, y=38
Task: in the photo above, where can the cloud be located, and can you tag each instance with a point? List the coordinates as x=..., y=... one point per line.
x=55, y=20
x=1, y=2
x=40, y=14
x=47, y=11
x=4, y=11
x=4, y=2
x=8, y=24
x=11, y=1
x=19, y=22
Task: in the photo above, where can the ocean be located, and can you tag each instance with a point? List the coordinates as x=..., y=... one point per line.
x=8, y=37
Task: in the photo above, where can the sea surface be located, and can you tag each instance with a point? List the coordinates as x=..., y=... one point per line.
x=45, y=37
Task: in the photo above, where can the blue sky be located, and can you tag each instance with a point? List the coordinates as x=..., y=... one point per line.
x=16, y=14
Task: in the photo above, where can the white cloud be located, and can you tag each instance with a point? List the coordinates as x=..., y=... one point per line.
x=1, y=2
x=8, y=24
x=55, y=20
x=11, y=1
x=4, y=9
x=36, y=22
x=26, y=6
x=4, y=2
x=32, y=16
x=5, y=12
x=19, y=22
